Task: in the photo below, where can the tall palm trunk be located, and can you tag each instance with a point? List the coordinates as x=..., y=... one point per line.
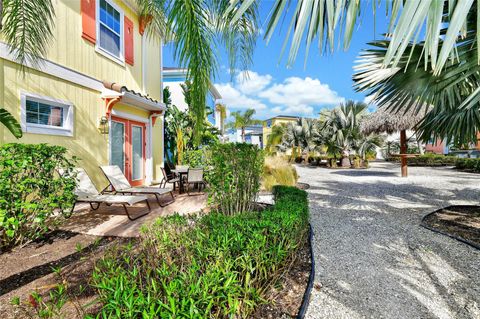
x=243, y=134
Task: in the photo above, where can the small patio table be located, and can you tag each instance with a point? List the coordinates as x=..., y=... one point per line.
x=181, y=173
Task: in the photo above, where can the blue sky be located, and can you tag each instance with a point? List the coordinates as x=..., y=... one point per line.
x=273, y=89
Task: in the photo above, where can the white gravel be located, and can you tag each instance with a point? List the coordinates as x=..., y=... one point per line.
x=374, y=260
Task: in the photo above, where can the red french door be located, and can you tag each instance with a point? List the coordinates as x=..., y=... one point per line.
x=127, y=148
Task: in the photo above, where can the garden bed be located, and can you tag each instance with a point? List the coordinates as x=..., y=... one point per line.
x=459, y=222
x=71, y=275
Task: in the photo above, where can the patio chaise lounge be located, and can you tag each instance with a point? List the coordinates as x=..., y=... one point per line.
x=87, y=193
x=120, y=185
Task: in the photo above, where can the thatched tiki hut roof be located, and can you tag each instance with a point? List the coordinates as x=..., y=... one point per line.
x=384, y=121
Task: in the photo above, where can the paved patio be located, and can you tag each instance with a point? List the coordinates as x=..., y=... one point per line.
x=374, y=260
x=112, y=220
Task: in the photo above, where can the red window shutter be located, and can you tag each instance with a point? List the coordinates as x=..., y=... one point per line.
x=128, y=34
x=89, y=30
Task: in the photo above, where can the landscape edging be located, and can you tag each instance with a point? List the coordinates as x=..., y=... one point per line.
x=311, y=278
x=463, y=240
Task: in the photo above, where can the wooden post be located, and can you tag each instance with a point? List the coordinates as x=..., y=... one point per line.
x=403, y=152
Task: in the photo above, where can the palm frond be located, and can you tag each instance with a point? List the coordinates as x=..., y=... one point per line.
x=410, y=22
x=10, y=123
x=27, y=28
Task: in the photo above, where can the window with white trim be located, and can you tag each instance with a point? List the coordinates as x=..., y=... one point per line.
x=44, y=115
x=109, y=29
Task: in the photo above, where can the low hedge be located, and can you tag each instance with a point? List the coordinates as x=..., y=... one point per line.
x=428, y=160
x=472, y=164
x=210, y=266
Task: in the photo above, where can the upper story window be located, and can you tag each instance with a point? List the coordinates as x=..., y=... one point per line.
x=269, y=123
x=43, y=115
x=110, y=35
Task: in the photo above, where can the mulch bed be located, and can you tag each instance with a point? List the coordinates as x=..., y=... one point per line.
x=459, y=222
x=31, y=268
x=285, y=299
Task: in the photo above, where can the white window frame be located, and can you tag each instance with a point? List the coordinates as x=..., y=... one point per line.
x=120, y=60
x=68, y=116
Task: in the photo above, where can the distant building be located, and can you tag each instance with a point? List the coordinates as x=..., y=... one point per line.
x=253, y=135
x=277, y=120
x=441, y=147
x=173, y=78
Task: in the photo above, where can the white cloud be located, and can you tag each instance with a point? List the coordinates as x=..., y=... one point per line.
x=296, y=92
x=234, y=99
x=250, y=82
x=293, y=96
x=372, y=107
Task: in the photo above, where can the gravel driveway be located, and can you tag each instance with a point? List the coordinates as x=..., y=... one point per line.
x=374, y=260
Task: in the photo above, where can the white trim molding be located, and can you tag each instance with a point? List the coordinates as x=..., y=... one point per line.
x=129, y=116
x=68, y=115
x=56, y=70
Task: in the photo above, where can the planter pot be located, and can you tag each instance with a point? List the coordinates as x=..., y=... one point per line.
x=345, y=162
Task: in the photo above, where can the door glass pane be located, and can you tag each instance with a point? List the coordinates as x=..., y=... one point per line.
x=116, y=145
x=137, y=153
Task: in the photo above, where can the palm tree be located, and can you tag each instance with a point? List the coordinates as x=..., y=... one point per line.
x=341, y=127
x=242, y=120
x=222, y=109
x=293, y=139
x=275, y=138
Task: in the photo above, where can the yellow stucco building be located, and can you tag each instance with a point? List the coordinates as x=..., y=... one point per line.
x=277, y=120
x=98, y=92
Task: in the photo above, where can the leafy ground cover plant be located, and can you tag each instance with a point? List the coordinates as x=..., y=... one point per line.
x=210, y=266
x=233, y=176
x=33, y=196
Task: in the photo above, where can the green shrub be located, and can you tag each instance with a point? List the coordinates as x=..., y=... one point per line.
x=33, y=197
x=278, y=171
x=472, y=164
x=194, y=158
x=428, y=159
x=233, y=176
x=213, y=266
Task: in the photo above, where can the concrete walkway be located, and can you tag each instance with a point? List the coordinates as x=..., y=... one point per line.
x=374, y=260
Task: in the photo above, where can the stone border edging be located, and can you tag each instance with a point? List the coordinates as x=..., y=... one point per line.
x=463, y=240
x=311, y=277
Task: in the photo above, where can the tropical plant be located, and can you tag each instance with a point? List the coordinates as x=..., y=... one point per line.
x=222, y=109
x=234, y=176
x=341, y=127
x=293, y=139
x=275, y=138
x=179, y=132
x=242, y=120
x=33, y=196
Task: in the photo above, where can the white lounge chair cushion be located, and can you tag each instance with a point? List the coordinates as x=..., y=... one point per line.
x=116, y=177
x=112, y=199
x=85, y=186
